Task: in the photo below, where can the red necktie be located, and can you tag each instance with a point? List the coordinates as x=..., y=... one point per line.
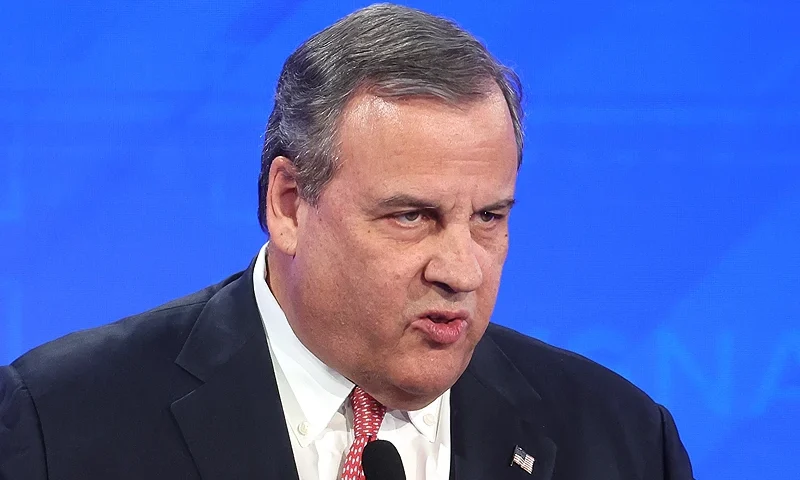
x=367, y=417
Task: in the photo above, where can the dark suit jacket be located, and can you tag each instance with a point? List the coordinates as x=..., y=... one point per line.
x=187, y=391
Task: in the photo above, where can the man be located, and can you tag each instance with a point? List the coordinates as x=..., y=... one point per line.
x=388, y=176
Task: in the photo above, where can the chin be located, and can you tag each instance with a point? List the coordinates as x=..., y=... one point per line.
x=417, y=400
x=427, y=388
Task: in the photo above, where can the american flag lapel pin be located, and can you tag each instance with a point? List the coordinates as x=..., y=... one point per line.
x=522, y=459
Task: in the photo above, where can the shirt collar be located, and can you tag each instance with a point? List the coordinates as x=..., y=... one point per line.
x=426, y=420
x=318, y=391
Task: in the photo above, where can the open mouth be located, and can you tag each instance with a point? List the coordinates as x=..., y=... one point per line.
x=438, y=318
x=443, y=327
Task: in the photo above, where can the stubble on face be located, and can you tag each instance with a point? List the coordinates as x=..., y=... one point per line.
x=415, y=222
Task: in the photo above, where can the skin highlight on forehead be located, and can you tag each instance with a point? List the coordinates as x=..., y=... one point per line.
x=368, y=116
x=425, y=143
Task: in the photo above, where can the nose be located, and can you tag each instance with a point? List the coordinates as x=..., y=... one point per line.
x=454, y=266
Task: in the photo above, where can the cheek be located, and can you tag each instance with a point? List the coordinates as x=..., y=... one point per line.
x=388, y=262
x=377, y=284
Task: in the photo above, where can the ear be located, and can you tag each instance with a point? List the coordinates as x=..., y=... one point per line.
x=283, y=204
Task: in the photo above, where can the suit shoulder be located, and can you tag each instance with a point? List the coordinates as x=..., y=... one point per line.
x=119, y=348
x=555, y=372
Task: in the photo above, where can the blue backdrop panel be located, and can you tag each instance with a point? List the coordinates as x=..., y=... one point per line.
x=658, y=226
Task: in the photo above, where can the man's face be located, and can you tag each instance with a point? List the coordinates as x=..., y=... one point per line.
x=397, y=268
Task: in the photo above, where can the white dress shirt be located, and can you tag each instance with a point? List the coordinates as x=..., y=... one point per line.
x=319, y=416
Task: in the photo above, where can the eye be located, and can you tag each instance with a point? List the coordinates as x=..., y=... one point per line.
x=488, y=217
x=409, y=218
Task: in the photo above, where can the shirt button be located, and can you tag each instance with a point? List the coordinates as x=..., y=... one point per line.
x=429, y=419
x=303, y=428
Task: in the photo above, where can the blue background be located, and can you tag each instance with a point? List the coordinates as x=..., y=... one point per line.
x=658, y=225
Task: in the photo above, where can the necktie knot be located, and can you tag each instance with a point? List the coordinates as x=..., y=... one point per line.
x=368, y=413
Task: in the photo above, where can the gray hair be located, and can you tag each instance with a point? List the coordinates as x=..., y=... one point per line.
x=390, y=51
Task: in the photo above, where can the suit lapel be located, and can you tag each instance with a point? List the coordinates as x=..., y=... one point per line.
x=233, y=423
x=493, y=409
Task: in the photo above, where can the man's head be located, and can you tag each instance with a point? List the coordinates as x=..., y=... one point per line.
x=388, y=173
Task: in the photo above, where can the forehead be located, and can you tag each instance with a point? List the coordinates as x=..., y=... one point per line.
x=385, y=142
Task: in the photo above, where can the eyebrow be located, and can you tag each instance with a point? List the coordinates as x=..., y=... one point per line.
x=407, y=201
x=501, y=205
x=410, y=201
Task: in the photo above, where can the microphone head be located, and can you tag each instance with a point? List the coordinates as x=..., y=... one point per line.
x=381, y=461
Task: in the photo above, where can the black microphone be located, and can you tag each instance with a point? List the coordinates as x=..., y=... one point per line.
x=381, y=461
